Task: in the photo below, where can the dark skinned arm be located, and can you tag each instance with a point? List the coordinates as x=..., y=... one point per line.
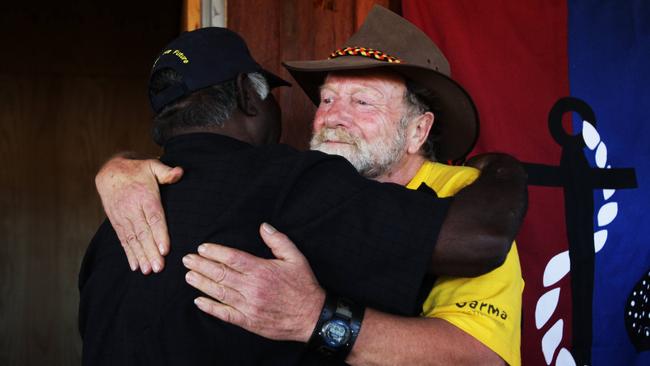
x=484, y=219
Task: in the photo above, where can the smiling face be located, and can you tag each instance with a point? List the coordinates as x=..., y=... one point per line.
x=363, y=117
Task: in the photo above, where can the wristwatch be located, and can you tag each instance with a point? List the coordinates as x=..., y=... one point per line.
x=337, y=328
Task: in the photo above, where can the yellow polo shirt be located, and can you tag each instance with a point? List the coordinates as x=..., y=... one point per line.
x=487, y=307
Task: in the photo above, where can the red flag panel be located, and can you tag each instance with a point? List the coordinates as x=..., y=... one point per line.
x=511, y=56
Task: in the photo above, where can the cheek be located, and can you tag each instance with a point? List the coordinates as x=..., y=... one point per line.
x=372, y=129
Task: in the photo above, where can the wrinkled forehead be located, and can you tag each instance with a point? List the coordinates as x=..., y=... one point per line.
x=374, y=78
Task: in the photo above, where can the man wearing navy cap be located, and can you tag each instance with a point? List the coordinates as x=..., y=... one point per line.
x=370, y=242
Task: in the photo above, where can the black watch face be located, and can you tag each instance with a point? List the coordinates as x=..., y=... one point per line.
x=336, y=332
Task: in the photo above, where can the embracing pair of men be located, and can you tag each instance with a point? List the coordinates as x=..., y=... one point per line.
x=378, y=238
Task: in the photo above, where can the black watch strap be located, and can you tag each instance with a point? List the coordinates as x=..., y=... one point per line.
x=337, y=328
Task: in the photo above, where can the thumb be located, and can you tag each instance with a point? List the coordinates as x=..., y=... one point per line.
x=165, y=174
x=281, y=246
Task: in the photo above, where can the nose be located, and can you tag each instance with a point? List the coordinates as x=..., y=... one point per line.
x=336, y=115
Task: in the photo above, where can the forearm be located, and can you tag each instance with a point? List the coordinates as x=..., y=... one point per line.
x=483, y=220
x=392, y=340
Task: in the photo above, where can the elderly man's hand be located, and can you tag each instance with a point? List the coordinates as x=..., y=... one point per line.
x=278, y=298
x=129, y=192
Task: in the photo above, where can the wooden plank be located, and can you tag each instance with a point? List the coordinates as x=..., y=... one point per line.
x=191, y=16
x=258, y=22
x=363, y=7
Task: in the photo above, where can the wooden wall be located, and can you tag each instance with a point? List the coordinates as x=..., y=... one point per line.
x=73, y=80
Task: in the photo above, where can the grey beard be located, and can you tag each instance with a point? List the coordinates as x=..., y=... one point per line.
x=371, y=161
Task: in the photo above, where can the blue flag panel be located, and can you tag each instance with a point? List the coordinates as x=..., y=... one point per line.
x=609, y=68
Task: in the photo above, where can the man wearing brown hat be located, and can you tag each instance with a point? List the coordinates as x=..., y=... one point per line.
x=378, y=98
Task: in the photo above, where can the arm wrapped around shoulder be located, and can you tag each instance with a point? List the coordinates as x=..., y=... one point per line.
x=484, y=218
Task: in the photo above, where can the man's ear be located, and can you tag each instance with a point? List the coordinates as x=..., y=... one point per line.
x=417, y=132
x=245, y=95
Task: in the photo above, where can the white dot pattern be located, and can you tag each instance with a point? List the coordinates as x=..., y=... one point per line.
x=637, y=314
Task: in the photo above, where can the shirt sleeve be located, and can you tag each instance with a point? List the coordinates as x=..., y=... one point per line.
x=365, y=240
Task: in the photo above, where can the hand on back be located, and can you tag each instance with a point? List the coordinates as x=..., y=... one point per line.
x=129, y=192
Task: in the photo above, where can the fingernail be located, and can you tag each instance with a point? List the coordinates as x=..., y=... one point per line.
x=198, y=302
x=268, y=228
x=161, y=248
x=202, y=248
x=187, y=260
x=156, y=266
x=190, y=277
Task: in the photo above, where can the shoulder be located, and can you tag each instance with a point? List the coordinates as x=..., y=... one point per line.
x=307, y=162
x=288, y=153
x=446, y=180
x=454, y=171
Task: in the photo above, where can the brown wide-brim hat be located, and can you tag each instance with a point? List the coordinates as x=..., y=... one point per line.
x=388, y=41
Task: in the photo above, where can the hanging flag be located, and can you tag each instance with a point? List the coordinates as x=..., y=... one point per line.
x=583, y=247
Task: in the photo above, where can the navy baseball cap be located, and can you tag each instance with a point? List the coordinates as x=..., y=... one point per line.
x=205, y=57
